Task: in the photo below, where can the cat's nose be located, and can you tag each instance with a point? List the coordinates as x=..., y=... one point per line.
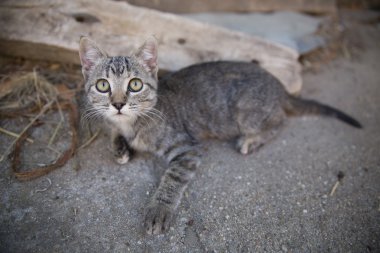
x=118, y=106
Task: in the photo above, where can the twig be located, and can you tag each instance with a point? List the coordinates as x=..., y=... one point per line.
x=58, y=126
x=91, y=139
x=43, y=110
x=7, y=132
x=340, y=176
x=55, y=133
x=334, y=188
x=35, y=82
x=75, y=210
x=66, y=155
x=46, y=188
x=54, y=150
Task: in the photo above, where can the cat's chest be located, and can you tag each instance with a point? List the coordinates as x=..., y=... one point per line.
x=125, y=128
x=137, y=138
x=140, y=143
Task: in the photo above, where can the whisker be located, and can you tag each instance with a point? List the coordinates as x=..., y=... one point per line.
x=157, y=114
x=149, y=117
x=144, y=117
x=92, y=113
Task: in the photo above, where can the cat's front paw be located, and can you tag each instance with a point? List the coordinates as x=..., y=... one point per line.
x=157, y=219
x=121, y=150
x=122, y=159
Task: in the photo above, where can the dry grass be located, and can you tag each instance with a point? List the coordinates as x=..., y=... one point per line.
x=22, y=92
x=33, y=96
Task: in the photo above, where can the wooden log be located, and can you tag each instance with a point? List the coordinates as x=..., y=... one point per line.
x=50, y=30
x=180, y=6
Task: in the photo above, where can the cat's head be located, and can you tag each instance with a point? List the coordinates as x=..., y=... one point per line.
x=120, y=88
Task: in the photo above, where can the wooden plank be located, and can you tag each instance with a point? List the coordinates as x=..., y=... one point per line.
x=180, y=6
x=50, y=30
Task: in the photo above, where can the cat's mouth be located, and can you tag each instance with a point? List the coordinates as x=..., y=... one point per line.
x=119, y=114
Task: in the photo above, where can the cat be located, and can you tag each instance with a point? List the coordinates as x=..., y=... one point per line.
x=224, y=100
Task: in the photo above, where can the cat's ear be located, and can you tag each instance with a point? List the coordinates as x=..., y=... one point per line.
x=147, y=56
x=90, y=54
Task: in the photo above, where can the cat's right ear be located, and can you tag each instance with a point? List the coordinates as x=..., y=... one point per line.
x=90, y=54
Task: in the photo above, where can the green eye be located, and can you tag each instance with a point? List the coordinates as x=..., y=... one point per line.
x=102, y=85
x=135, y=85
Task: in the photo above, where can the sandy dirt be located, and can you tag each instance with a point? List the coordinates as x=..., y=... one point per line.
x=276, y=200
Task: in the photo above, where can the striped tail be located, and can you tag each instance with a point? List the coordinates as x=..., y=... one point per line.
x=299, y=106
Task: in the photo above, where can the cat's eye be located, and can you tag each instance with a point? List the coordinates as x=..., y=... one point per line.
x=102, y=86
x=135, y=85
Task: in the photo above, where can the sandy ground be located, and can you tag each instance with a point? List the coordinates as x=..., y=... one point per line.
x=276, y=200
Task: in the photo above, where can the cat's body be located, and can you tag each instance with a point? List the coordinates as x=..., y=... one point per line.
x=224, y=100
x=220, y=99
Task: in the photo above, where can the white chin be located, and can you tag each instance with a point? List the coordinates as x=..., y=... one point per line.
x=118, y=118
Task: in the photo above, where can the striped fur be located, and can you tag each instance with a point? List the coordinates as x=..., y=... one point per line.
x=225, y=100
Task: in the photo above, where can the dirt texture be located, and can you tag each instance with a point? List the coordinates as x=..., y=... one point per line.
x=316, y=188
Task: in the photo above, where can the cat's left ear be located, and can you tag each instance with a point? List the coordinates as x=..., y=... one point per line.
x=147, y=56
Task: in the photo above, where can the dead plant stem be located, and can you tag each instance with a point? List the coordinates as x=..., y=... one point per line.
x=10, y=133
x=43, y=110
x=91, y=139
x=52, y=138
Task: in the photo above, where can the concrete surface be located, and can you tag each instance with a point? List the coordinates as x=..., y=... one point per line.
x=276, y=200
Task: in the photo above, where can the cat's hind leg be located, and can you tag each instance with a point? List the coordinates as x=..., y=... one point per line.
x=254, y=137
x=248, y=143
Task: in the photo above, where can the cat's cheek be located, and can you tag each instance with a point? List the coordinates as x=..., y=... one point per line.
x=111, y=115
x=95, y=100
x=124, y=111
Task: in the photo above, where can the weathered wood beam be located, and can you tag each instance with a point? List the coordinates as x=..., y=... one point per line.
x=50, y=30
x=180, y=6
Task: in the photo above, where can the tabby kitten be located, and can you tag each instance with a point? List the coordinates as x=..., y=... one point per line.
x=224, y=100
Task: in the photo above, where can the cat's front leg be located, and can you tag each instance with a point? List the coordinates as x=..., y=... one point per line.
x=173, y=183
x=120, y=148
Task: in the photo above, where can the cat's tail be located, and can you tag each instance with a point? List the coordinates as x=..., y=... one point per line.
x=299, y=106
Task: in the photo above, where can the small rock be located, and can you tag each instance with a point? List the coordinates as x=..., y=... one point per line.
x=284, y=248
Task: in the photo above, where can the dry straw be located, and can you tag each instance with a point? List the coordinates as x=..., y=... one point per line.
x=31, y=95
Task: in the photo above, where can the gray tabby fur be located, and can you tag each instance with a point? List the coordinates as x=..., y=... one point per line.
x=224, y=100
